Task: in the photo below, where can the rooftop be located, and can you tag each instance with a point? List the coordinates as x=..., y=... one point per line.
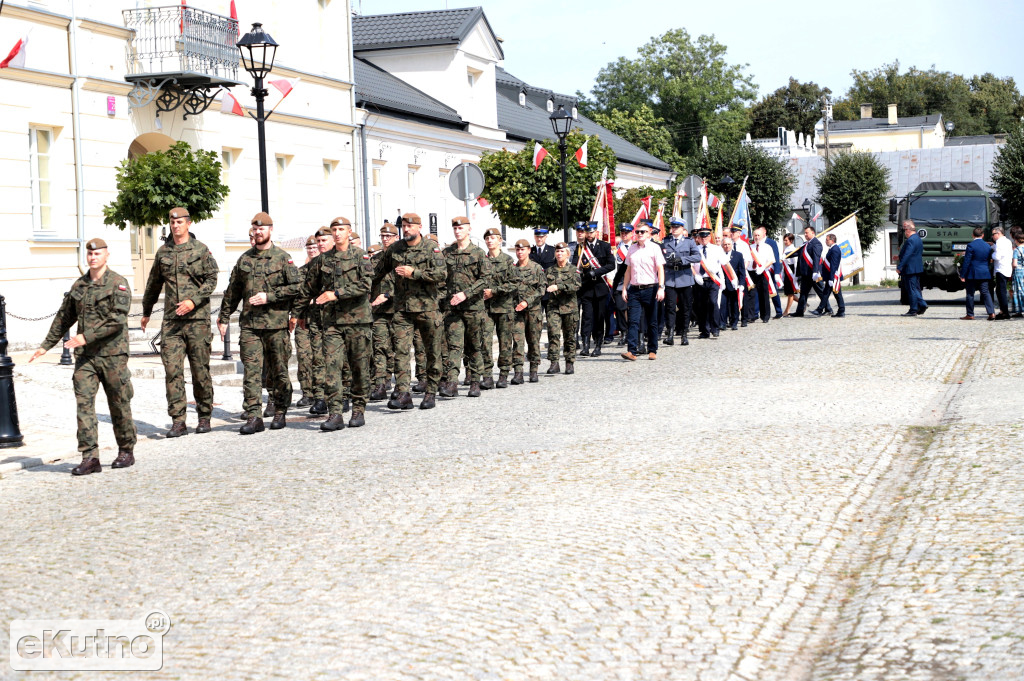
x=416, y=29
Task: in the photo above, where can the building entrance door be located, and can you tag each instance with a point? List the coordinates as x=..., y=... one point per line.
x=144, y=245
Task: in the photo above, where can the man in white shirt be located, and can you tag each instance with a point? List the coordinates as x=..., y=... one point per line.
x=709, y=278
x=763, y=261
x=739, y=243
x=1002, y=263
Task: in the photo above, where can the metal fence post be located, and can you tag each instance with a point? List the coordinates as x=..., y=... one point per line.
x=10, y=435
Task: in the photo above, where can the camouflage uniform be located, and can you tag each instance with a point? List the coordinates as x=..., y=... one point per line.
x=528, y=323
x=383, y=333
x=500, y=308
x=469, y=271
x=101, y=310
x=415, y=306
x=310, y=350
x=264, y=328
x=563, y=311
x=185, y=272
x=346, y=321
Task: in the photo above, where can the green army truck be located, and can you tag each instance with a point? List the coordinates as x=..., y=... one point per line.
x=945, y=214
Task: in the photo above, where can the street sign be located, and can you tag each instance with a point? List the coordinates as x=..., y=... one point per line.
x=466, y=181
x=433, y=223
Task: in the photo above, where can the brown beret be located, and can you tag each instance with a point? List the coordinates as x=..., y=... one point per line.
x=375, y=248
x=324, y=231
x=95, y=244
x=493, y=231
x=262, y=219
x=179, y=213
x=432, y=236
x=561, y=244
x=460, y=220
x=522, y=243
x=340, y=221
x=311, y=241
x=389, y=228
x=412, y=218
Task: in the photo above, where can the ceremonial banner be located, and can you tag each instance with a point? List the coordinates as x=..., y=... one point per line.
x=741, y=212
x=603, y=212
x=848, y=241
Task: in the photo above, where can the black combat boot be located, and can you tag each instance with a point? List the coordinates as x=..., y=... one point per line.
x=334, y=422
x=304, y=402
x=379, y=393
x=319, y=407
x=428, y=401
x=358, y=418
x=401, y=401
x=419, y=387
x=585, y=352
x=502, y=380
x=253, y=425
x=474, y=389
x=487, y=383
x=669, y=340
x=279, y=421
x=597, y=351
x=554, y=368
x=517, y=377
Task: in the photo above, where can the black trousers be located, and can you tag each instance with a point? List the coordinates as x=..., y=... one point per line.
x=678, y=299
x=730, y=308
x=763, y=300
x=1004, y=303
x=592, y=313
x=807, y=284
x=705, y=304
x=750, y=300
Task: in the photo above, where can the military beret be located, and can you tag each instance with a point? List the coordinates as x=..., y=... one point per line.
x=179, y=213
x=430, y=236
x=626, y=227
x=324, y=231
x=580, y=226
x=561, y=245
x=540, y=230
x=261, y=219
x=522, y=243
x=591, y=226
x=676, y=222
x=493, y=231
x=460, y=220
x=389, y=229
x=95, y=244
x=375, y=248
x=311, y=241
x=412, y=219
x=340, y=221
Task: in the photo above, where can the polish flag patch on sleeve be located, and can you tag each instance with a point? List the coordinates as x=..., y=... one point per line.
x=122, y=287
x=366, y=257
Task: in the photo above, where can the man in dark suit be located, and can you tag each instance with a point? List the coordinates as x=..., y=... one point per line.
x=594, y=259
x=834, y=281
x=808, y=269
x=910, y=267
x=975, y=274
x=777, y=275
x=542, y=254
x=730, y=296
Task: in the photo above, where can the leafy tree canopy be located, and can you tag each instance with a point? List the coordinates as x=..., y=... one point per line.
x=855, y=181
x=1008, y=175
x=641, y=127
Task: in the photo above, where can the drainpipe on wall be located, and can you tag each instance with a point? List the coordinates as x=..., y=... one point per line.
x=366, y=179
x=77, y=132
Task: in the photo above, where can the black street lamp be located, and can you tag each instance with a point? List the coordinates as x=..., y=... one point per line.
x=258, y=50
x=561, y=123
x=807, y=205
x=10, y=435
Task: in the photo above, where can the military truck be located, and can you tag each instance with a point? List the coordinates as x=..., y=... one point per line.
x=945, y=214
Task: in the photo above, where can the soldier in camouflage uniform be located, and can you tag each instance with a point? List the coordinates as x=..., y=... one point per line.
x=499, y=297
x=563, y=310
x=303, y=345
x=529, y=313
x=469, y=273
x=339, y=283
x=264, y=280
x=383, y=322
x=98, y=302
x=185, y=270
x=419, y=269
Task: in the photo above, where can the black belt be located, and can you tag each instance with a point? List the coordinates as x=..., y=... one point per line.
x=642, y=286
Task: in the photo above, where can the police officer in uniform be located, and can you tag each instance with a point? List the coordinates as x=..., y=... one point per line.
x=541, y=253
x=98, y=302
x=681, y=253
x=185, y=270
x=593, y=293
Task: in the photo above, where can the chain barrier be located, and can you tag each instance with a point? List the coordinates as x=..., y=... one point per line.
x=32, y=319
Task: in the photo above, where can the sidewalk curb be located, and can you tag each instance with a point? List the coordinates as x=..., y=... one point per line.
x=27, y=462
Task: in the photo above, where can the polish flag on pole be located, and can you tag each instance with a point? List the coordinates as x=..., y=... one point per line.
x=181, y=22
x=714, y=201
x=233, y=37
x=644, y=211
x=230, y=105
x=581, y=155
x=16, y=57
x=539, y=152
x=284, y=87
x=482, y=202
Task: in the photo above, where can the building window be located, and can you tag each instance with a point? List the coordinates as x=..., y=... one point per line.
x=282, y=161
x=376, y=177
x=522, y=98
x=39, y=142
x=442, y=181
x=227, y=160
x=551, y=105
x=412, y=181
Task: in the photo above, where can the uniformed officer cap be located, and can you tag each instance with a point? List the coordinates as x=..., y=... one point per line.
x=649, y=223
x=626, y=227
x=522, y=243
x=591, y=226
x=460, y=220
x=581, y=226
x=340, y=221
x=388, y=230
x=673, y=222
x=539, y=231
x=704, y=232
x=95, y=244
x=561, y=245
x=262, y=219
x=311, y=241
x=178, y=213
x=735, y=228
x=412, y=219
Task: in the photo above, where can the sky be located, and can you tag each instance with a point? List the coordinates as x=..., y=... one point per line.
x=810, y=41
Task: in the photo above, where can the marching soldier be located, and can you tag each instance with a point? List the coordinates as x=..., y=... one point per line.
x=308, y=342
x=594, y=259
x=499, y=298
x=469, y=272
x=563, y=310
x=529, y=313
x=187, y=273
x=264, y=280
x=340, y=284
x=419, y=270
x=383, y=322
x=98, y=302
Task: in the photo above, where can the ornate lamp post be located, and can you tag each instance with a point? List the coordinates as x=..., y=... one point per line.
x=561, y=123
x=258, y=50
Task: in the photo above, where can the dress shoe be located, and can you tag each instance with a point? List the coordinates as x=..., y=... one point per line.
x=379, y=393
x=818, y=313
x=967, y=317
x=628, y=355
x=517, y=378
x=714, y=334
x=743, y=324
x=334, y=422
x=1003, y=315
x=838, y=314
x=570, y=368
x=765, y=321
x=87, y=466
x=487, y=383
x=203, y=425
x=269, y=411
x=923, y=310
x=534, y=378
x=685, y=341
x=704, y=335
x=652, y=355
x=178, y=428
x=597, y=351
x=554, y=368
x=992, y=317
x=910, y=314
x=419, y=387
x=474, y=389
x=669, y=340
x=502, y=380
x=778, y=315
x=304, y=402
x=449, y=389
x=401, y=401
x=125, y=458
x=253, y=425
x=428, y=401
x=358, y=419
x=797, y=314
x=319, y=407
x=279, y=421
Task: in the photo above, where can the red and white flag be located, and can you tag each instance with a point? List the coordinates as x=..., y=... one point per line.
x=581, y=155
x=16, y=57
x=644, y=212
x=230, y=105
x=539, y=152
x=817, y=216
x=282, y=87
x=482, y=202
x=233, y=35
x=714, y=201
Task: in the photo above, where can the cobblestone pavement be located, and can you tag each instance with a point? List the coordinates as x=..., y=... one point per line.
x=807, y=499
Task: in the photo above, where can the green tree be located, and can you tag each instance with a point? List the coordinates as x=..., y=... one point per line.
x=770, y=181
x=641, y=127
x=797, y=107
x=686, y=82
x=995, y=103
x=525, y=197
x=855, y=181
x=1008, y=175
x=149, y=186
